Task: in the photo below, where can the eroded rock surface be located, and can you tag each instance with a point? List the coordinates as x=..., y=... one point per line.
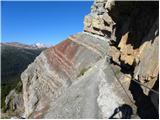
x=57, y=68
x=88, y=96
x=77, y=78
x=14, y=101
x=132, y=28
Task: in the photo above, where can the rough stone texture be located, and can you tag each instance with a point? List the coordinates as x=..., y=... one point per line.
x=75, y=79
x=88, y=97
x=56, y=68
x=14, y=101
x=148, y=68
x=98, y=21
x=13, y=104
x=132, y=28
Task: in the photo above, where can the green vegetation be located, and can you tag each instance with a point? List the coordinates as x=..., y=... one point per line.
x=117, y=72
x=6, y=87
x=19, y=86
x=83, y=71
x=14, y=61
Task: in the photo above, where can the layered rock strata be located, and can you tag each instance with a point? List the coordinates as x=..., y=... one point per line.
x=76, y=79
x=73, y=80
x=58, y=67
x=132, y=28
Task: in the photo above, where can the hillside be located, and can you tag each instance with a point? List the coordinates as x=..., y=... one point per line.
x=15, y=58
x=112, y=63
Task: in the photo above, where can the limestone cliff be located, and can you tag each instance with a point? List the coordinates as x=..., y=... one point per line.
x=70, y=80
x=89, y=74
x=132, y=28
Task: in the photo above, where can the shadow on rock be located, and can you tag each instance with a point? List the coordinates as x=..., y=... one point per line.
x=145, y=107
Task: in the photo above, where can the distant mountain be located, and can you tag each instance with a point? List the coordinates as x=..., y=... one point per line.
x=20, y=45
x=15, y=57
x=40, y=45
x=91, y=74
x=112, y=65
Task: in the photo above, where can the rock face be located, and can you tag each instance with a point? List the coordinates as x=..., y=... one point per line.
x=70, y=80
x=88, y=97
x=15, y=57
x=77, y=78
x=14, y=105
x=133, y=33
x=58, y=67
x=14, y=101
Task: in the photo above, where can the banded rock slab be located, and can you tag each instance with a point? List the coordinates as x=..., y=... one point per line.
x=57, y=68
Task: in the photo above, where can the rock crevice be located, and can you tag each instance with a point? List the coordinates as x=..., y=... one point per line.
x=80, y=77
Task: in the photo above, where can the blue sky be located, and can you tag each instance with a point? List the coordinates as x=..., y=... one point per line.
x=42, y=22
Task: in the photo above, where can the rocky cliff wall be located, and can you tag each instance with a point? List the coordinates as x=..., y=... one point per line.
x=132, y=28
x=70, y=80
x=89, y=74
x=57, y=68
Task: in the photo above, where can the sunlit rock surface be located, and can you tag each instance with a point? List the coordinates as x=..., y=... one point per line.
x=89, y=74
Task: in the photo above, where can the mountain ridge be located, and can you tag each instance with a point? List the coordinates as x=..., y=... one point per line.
x=22, y=45
x=93, y=72
x=14, y=60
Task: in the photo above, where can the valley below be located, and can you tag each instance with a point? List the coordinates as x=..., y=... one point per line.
x=112, y=63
